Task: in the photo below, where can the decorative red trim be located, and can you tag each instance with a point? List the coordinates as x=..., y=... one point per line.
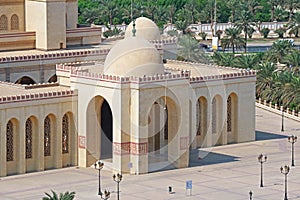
x=132, y=148
x=82, y=142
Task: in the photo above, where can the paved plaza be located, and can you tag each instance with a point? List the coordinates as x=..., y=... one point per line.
x=224, y=172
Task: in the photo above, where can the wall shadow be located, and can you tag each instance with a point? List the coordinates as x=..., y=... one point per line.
x=260, y=135
x=200, y=158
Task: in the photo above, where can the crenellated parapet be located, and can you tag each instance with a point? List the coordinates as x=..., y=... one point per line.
x=223, y=76
x=165, y=41
x=36, y=96
x=54, y=55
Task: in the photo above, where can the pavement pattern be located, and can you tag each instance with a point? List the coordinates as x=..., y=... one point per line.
x=224, y=172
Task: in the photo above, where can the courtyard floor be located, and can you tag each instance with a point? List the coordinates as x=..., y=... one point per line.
x=224, y=172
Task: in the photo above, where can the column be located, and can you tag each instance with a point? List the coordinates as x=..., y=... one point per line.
x=58, y=140
x=39, y=149
x=21, y=151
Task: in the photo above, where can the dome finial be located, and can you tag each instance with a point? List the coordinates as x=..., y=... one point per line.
x=133, y=29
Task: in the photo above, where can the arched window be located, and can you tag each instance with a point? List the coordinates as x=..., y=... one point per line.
x=14, y=22
x=9, y=142
x=229, y=114
x=65, y=134
x=28, y=138
x=198, y=117
x=214, y=115
x=3, y=23
x=47, y=137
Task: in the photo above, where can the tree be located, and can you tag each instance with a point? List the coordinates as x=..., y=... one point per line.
x=265, y=32
x=181, y=26
x=280, y=32
x=232, y=39
x=294, y=24
x=66, y=196
x=292, y=60
x=108, y=9
x=224, y=59
x=189, y=50
x=291, y=6
x=245, y=24
x=279, y=50
x=246, y=61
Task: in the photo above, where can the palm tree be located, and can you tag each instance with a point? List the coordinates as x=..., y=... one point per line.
x=245, y=24
x=246, y=61
x=232, y=39
x=279, y=50
x=171, y=10
x=189, y=50
x=294, y=24
x=291, y=6
x=109, y=9
x=181, y=26
x=292, y=60
x=224, y=59
x=233, y=6
x=66, y=196
x=274, y=4
x=265, y=77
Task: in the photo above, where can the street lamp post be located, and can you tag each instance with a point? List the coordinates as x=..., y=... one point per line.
x=261, y=159
x=99, y=165
x=285, y=170
x=250, y=195
x=118, y=178
x=282, y=120
x=292, y=139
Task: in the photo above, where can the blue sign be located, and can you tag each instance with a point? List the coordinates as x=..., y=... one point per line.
x=189, y=184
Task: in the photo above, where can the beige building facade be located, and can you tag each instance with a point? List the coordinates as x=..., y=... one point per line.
x=133, y=111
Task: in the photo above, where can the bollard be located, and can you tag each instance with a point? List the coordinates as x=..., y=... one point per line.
x=170, y=189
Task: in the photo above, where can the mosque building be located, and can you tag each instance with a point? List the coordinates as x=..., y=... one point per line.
x=134, y=110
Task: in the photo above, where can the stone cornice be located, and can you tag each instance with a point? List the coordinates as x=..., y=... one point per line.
x=36, y=96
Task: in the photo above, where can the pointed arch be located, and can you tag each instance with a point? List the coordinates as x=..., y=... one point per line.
x=25, y=80
x=3, y=23
x=14, y=22
x=68, y=140
x=232, y=114
x=12, y=144
x=10, y=141
x=201, y=120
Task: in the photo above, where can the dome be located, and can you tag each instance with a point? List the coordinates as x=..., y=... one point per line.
x=133, y=56
x=145, y=28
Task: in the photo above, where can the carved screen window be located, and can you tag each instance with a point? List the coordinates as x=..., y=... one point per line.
x=28, y=138
x=14, y=22
x=47, y=137
x=65, y=134
x=198, y=118
x=229, y=114
x=214, y=116
x=9, y=142
x=3, y=23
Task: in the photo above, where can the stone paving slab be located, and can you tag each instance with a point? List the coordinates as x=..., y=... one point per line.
x=225, y=172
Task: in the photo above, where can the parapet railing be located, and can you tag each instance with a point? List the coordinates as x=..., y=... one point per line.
x=36, y=96
x=51, y=55
x=275, y=108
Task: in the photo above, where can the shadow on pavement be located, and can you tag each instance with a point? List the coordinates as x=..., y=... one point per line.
x=259, y=135
x=200, y=157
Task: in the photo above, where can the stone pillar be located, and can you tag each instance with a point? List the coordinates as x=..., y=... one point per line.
x=39, y=149
x=58, y=139
x=139, y=134
x=121, y=132
x=21, y=154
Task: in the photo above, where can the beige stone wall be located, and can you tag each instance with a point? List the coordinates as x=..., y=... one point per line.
x=11, y=7
x=71, y=14
x=49, y=23
x=37, y=110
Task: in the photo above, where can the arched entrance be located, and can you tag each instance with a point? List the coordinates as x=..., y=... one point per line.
x=25, y=80
x=99, y=130
x=201, y=122
x=106, y=131
x=163, y=125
